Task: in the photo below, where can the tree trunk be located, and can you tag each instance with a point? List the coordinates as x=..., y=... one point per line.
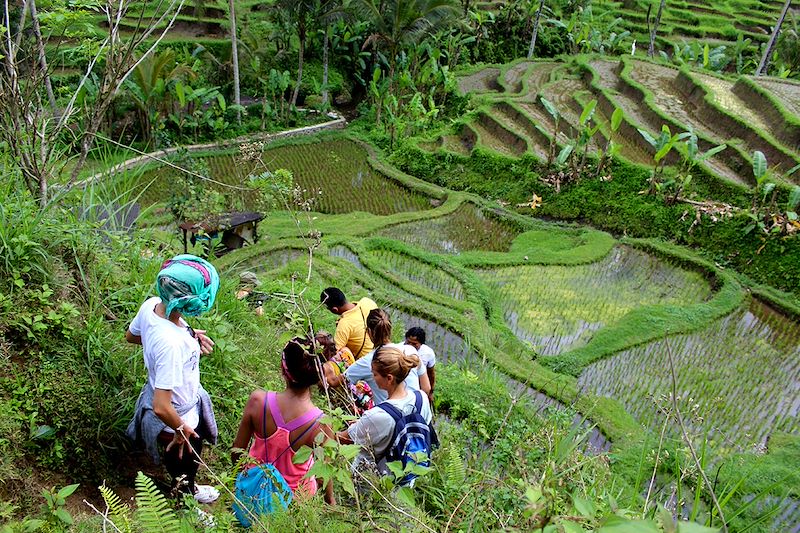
x=535, y=29
x=237, y=98
x=651, y=49
x=762, y=66
x=37, y=31
x=301, y=30
x=325, y=68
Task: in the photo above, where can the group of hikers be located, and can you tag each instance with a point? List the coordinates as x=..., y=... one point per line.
x=388, y=386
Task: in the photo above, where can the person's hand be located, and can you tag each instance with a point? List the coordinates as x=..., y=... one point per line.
x=181, y=439
x=206, y=344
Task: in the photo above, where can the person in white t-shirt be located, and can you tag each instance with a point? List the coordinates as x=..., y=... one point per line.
x=379, y=329
x=174, y=413
x=375, y=429
x=416, y=337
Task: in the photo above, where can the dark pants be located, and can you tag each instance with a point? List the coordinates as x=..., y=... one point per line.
x=183, y=470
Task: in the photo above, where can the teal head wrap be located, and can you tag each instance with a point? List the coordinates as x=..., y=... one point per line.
x=187, y=284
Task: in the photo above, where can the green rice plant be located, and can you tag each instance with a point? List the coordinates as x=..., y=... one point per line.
x=734, y=379
x=558, y=308
x=338, y=169
x=468, y=228
x=421, y=273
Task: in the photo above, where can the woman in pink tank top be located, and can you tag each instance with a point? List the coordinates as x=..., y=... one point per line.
x=281, y=423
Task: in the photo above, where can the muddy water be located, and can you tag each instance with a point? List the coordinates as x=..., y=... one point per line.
x=347, y=254
x=451, y=347
x=737, y=381
x=558, y=308
x=467, y=228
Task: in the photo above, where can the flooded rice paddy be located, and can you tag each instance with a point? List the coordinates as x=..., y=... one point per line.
x=557, y=308
x=428, y=276
x=467, y=228
x=452, y=348
x=738, y=380
x=339, y=169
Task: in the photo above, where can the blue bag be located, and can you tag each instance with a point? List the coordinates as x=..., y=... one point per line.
x=413, y=439
x=262, y=489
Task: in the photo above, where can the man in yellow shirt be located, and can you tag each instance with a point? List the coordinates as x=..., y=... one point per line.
x=351, y=328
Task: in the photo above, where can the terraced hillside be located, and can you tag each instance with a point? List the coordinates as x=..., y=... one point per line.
x=591, y=323
x=715, y=22
x=746, y=114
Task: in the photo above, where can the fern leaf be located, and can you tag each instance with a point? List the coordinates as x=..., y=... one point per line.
x=118, y=512
x=455, y=471
x=153, y=512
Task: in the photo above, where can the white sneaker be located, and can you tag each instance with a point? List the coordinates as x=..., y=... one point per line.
x=205, y=493
x=206, y=519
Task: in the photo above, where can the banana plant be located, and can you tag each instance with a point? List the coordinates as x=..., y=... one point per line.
x=606, y=154
x=662, y=146
x=588, y=129
x=553, y=112
x=763, y=177
x=673, y=187
x=792, y=205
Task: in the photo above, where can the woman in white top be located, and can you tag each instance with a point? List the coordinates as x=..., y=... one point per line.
x=374, y=430
x=173, y=414
x=379, y=329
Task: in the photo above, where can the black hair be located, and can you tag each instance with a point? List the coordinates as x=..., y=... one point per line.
x=332, y=297
x=417, y=333
x=300, y=364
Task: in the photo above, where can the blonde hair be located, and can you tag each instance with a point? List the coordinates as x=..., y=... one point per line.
x=391, y=361
x=379, y=327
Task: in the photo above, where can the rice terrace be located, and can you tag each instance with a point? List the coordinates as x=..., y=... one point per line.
x=587, y=209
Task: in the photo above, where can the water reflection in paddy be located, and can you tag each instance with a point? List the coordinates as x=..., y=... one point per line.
x=559, y=307
x=452, y=348
x=467, y=228
x=738, y=380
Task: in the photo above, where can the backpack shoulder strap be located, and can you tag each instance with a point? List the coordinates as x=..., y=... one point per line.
x=393, y=411
x=418, y=401
x=300, y=436
x=264, y=427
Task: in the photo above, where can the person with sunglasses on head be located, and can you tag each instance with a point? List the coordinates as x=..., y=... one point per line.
x=174, y=414
x=280, y=423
